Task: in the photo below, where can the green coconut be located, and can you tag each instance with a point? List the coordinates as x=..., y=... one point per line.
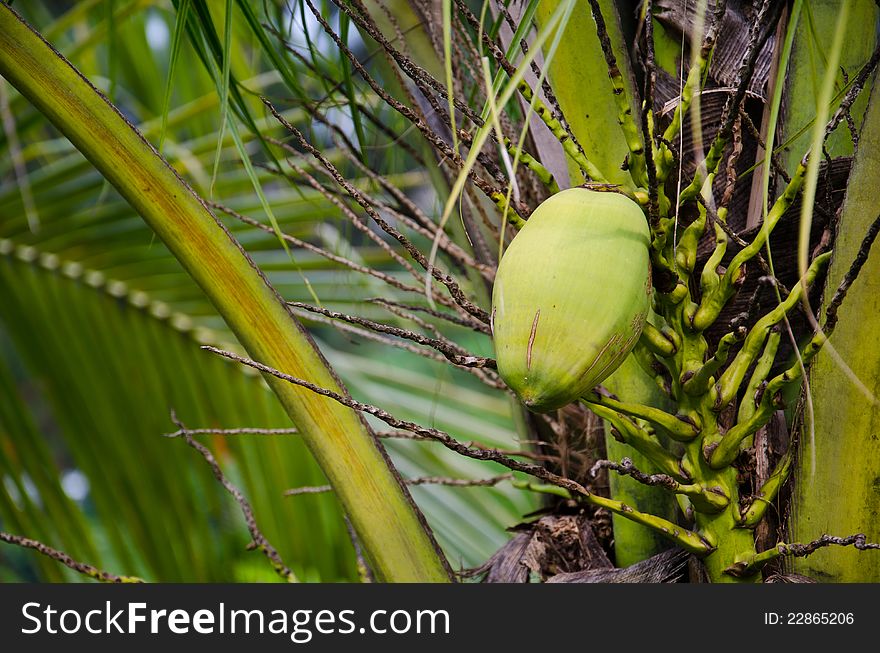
x=571, y=296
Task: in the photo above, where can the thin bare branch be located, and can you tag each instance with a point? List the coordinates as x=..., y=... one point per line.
x=797, y=550
x=377, y=121
x=626, y=468
x=445, y=243
x=851, y=275
x=516, y=453
x=687, y=539
x=757, y=37
x=467, y=322
x=364, y=572
x=357, y=267
x=735, y=237
x=352, y=217
x=66, y=560
x=449, y=349
x=423, y=79
x=237, y=431
x=854, y=91
x=459, y=482
x=258, y=540
x=732, y=160
x=432, y=137
x=415, y=319
x=754, y=132
x=485, y=375
x=453, y=287
x=421, y=480
x=646, y=114
x=401, y=435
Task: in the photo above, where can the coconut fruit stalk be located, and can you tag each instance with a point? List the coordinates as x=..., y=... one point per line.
x=571, y=296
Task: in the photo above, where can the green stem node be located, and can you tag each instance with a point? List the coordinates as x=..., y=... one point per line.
x=763, y=498
x=674, y=426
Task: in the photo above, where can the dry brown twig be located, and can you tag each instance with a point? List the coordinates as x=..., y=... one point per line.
x=258, y=540
x=454, y=353
x=421, y=480
x=442, y=277
x=66, y=560
x=469, y=451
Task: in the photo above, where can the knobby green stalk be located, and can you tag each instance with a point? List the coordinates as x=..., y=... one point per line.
x=390, y=528
x=763, y=498
x=721, y=292
x=730, y=382
x=568, y=146
x=631, y=134
x=753, y=564
x=544, y=176
x=629, y=432
x=703, y=385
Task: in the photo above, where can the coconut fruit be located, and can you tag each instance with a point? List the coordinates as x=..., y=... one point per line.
x=571, y=296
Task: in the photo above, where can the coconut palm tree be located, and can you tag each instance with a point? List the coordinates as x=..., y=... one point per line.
x=360, y=168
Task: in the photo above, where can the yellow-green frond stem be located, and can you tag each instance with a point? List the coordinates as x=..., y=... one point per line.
x=710, y=277
x=397, y=543
x=686, y=250
x=713, y=160
x=660, y=342
x=692, y=84
x=684, y=538
x=542, y=488
x=753, y=564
